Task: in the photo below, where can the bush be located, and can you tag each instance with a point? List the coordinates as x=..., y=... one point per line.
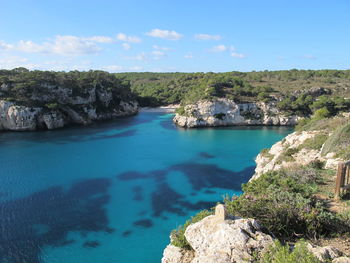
x=339, y=142
x=283, y=202
x=178, y=238
x=314, y=143
x=322, y=113
x=279, y=253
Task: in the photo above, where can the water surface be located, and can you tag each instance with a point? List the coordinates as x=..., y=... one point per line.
x=112, y=192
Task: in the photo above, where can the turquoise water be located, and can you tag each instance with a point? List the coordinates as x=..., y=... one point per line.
x=112, y=192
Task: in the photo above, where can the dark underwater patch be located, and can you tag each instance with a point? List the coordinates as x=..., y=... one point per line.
x=165, y=199
x=46, y=217
x=138, y=193
x=206, y=155
x=200, y=176
x=210, y=175
x=209, y=191
x=147, y=223
x=91, y=244
x=127, y=233
x=168, y=124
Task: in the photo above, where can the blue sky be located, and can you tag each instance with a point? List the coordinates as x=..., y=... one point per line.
x=187, y=36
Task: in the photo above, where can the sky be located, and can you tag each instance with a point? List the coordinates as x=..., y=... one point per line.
x=175, y=36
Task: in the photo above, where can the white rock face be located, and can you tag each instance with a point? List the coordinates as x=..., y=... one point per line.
x=53, y=120
x=225, y=112
x=18, y=118
x=21, y=118
x=216, y=241
x=174, y=254
x=271, y=160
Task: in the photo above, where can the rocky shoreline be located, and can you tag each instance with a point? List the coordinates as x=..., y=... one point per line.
x=228, y=239
x=225, y=112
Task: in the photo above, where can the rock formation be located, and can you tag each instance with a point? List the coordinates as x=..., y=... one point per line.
x=272, y=159
x=225, y=112
x=97, y=104
x=215, y=239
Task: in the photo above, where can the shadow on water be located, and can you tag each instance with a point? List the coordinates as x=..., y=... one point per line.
x=45, y=218
x=76, y=133
x=200, y=176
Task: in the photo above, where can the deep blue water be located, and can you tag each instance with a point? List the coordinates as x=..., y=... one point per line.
x=113, y=191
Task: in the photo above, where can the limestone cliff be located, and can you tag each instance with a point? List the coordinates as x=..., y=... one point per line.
x=225, y=112
x=97, y=104
x=293, y=150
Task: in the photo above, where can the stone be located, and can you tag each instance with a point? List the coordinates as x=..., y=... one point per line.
x=233, y=240
x=324, y=253
x=341, y=260
x=174, y=254
x=220, y=213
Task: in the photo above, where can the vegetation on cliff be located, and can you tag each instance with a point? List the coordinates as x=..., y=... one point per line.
x=297, y=202
x=294, y=91
x=49, y=89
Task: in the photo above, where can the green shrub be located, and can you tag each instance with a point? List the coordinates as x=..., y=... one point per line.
x=178, y=238
x=283, y=202
x=314, y=143
x=287, y=155
x=283, y=254
x=339, y=142
x=322, y=113
x=180, y=110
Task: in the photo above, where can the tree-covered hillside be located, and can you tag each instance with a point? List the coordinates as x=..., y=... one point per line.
x=49, y=88
x=293, y=90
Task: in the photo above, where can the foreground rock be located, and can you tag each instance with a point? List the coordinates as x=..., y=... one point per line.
x=225, y=112
x=220, y=241
x=291, y=152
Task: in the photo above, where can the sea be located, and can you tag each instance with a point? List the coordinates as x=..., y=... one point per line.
x=113, y=191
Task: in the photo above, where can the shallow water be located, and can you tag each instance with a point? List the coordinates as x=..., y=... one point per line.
x=112, y=192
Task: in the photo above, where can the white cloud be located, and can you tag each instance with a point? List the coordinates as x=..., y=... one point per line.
x=188, y=56
x=141, y=57
x=157, y=54
x=126, y=46
x=237, y=55
x=72, y=45
x=5, y=46
x=126, y=38
x=207, y=37
x=156, y=47
x=61, y=45
x=219, y=48
x=100, y=39
x=165, y=34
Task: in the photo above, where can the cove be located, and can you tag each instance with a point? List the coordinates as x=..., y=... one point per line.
x=113, y=191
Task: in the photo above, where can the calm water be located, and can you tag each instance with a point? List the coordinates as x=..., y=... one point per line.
x=112, y=192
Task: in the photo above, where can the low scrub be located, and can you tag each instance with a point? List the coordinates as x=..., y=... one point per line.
x=279, y=253
x=283, y=201
x=339, y=142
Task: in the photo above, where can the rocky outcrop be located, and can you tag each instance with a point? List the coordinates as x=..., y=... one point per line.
x=324, y=254
x=225, y=112
x=215, y=239
x=94, y=104
x=234, y=240
x=290, y=152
